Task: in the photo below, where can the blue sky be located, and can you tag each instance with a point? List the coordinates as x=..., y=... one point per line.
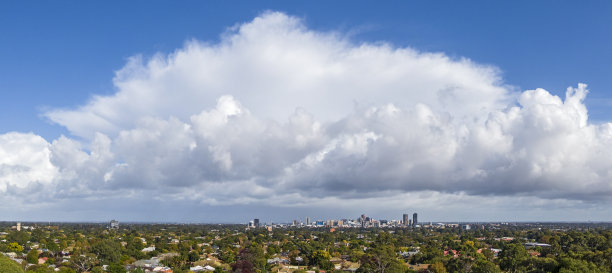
x=56, y=57
x=58, y=54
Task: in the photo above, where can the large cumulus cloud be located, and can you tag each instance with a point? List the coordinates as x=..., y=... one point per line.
x=273, y=65
x=281, y=115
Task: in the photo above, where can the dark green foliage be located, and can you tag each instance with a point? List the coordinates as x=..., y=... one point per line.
x=9, y=266
x=381, y=258
x=512, y=257
x=571, y=249
x=116, y=268
x=569, y=265
x=32, y=256
x=484, y=266
x=193, y=256
x=244, y=262
x=20, y=237
x=107, y=250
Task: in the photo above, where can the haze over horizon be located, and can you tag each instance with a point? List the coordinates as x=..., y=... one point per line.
x=280, y=114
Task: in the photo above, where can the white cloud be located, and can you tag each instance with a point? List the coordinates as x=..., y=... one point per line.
x=273, y=65
x=279, y=115
x=24, y=159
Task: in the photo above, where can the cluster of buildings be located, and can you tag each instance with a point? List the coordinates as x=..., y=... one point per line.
x=361, y=222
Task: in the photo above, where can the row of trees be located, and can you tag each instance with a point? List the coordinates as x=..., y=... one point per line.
x=374, y=250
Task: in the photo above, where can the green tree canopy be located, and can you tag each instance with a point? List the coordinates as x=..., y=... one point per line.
x=9, y=266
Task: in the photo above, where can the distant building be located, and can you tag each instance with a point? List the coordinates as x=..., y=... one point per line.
x=114, y=224
x=256, y=222
x=308, y=221
x=405, y=219
x=363, y=220
x=414, y=219
x=18, y=226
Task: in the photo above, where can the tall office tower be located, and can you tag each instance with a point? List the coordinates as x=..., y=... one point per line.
x=308, y=221
x=18, y=226
x=114, y=224
x=256, y=222
x=405, y=219
x=414, y=219
x=409, y=222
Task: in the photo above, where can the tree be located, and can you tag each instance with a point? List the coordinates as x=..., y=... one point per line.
x=484, y=266
x=193, y=256
x=321, y=258
x=116, y=268
x=32, y=256
x=380, y=259
x=97, y=269
x=15, y=247
x=84, y=262
x=9, y=266
x=42, y=268
x=569, y=265
x=20, y=237
x=108, y=251
x=53, y=247
x=219, y=270
x=176, y=261
x=437, y=267
x=536, y=265
x=244, y=262
x=512, y=257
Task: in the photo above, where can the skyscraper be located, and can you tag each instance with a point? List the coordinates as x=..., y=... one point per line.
x=114, y=224
x=414, y=219
x=405, y=219
x=256, y=222
x=363, y=220
x=308, y=221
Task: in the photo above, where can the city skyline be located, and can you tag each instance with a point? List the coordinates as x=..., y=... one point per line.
x=460, y=112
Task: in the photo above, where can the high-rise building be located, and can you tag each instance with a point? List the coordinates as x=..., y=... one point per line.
x=414, y=219
x=308, y=221
x=18, y=226
x=405, y=219
x=256, y=222
x=114, y=224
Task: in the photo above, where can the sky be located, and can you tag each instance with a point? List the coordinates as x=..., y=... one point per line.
x=215, y=112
